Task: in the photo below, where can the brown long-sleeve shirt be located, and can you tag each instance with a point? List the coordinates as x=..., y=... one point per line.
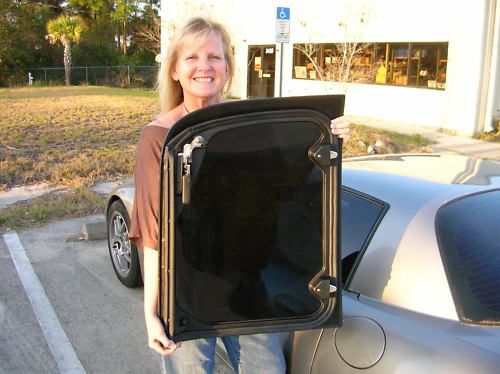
x=144, y=221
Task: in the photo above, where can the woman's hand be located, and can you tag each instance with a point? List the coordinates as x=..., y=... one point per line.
x=157, y=339
x=340, y=127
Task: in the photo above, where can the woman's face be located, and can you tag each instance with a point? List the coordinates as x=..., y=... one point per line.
x=201, y=69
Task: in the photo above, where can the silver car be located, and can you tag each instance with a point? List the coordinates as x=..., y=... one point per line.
x=420, y=264
x=421, y=256
x=420, y=267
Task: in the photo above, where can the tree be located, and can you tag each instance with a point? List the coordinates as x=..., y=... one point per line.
x=124, y=12
x=22, y=31
x=310, y=51
x=66, y=30
x=148, y=31
x=342, y=56
x=117, y=32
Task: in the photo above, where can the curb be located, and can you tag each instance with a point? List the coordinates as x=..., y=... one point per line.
x=95, y=231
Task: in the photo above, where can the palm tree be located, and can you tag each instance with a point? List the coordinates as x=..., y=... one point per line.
x=66, y=30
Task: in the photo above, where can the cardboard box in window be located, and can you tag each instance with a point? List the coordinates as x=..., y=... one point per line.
x=300, y=72
x=361, y=61
x=401, y=79
x=312, y=74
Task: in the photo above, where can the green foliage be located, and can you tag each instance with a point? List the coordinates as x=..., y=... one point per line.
x=36, y=212
x=22, y=34
x=117, y=32
x=65, y=30
x=94, y=6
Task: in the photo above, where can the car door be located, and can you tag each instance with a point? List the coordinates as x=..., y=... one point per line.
x=249, y=219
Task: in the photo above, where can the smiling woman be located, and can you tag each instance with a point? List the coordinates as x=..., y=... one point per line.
x=195, y=74
x=201, y=70
x=181, y=69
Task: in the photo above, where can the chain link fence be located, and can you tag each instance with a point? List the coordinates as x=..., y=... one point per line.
x=116, y=76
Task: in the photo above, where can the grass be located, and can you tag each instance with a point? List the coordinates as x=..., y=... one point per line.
x=393, y=142
x=75, y=136
x=72, y=137
x=37, y=212
x=492, y=136
x=63, y=91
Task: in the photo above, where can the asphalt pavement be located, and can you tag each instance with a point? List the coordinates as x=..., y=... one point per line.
x=23, y=348
x=102, y=319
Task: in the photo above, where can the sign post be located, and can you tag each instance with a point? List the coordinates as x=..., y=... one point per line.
x=282, y=36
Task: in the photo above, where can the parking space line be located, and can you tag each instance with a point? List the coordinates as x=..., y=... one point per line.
x=59, y=344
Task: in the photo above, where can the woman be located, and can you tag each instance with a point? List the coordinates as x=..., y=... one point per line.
x=197, y=70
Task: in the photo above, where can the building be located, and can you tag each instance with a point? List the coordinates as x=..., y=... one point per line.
x=430, y=63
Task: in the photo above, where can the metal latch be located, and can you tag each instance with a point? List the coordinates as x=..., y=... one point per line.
x=187, y=159
x=325, y=288
x=324, y=155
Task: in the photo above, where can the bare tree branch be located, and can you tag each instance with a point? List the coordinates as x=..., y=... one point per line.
x=345, y=61
x=149, y=35
x=310, y=50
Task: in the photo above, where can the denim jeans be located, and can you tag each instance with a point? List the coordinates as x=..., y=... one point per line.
x=249, y=354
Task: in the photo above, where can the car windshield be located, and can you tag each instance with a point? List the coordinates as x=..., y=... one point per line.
x=469, y=241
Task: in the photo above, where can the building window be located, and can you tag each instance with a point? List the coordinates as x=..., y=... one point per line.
x=400, y=64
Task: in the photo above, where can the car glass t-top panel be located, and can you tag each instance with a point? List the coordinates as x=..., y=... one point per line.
x=251, y=237
x=469, y=240
x=249, y=218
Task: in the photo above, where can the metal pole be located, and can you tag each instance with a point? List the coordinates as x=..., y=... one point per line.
x=87, y=75
x=45, y=71
x=281, y=70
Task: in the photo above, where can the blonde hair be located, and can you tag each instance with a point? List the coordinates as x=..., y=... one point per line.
x=195, y=31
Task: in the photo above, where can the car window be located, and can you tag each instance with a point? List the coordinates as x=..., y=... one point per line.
x=360, y=216
x=469, y=240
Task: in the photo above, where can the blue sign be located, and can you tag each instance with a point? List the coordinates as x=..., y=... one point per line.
x=283, y=13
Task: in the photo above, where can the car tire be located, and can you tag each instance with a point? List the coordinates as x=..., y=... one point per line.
x=122, y=252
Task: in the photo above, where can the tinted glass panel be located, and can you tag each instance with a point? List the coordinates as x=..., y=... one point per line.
x=470, y=244
x=359, y=216
x=252, y=233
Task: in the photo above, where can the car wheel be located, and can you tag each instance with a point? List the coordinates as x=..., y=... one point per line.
x=123, y=253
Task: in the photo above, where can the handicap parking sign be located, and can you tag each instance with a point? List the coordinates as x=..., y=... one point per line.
x=283, y=13
x=282, y=25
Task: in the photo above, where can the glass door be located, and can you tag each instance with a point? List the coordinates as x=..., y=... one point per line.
x=261, y=71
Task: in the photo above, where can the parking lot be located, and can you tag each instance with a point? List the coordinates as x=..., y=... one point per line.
x=103, y=320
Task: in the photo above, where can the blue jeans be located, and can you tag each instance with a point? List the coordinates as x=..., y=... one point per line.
x=249, y=354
